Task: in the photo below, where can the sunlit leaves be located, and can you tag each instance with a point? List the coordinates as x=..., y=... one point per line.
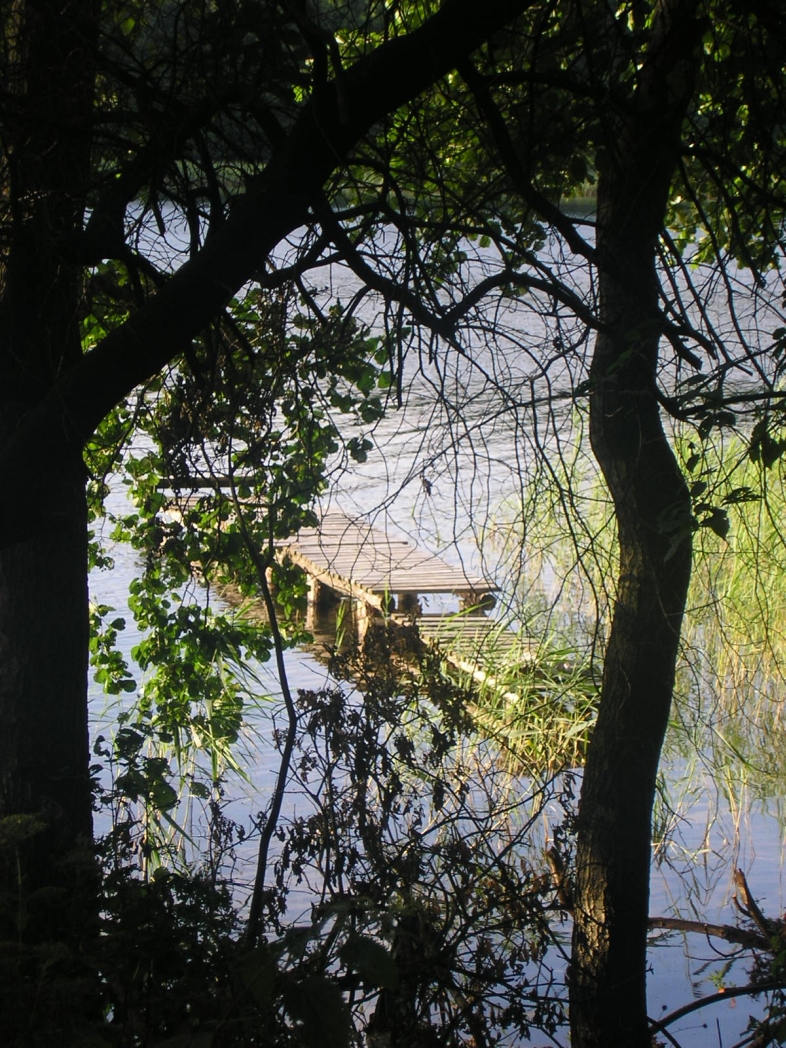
x=229, y=454
x=110, y=668
x=734, y=191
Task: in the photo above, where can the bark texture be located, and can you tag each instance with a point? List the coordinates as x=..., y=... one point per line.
x=44, y=757
x=653, y=510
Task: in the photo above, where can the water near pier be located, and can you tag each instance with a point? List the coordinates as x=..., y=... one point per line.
x=456, y=469
x=706, y=828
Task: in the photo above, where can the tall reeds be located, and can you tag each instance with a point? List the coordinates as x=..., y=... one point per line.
x=728, y=711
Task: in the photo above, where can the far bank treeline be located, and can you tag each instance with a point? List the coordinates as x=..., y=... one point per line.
x=155, y=158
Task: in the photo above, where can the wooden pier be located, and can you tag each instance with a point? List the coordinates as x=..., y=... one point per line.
x=385, y=573
x=385, y=577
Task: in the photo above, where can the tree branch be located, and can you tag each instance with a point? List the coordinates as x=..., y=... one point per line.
x=275, y=203
x=728, y=932
x=540, y=204
x=723, y=995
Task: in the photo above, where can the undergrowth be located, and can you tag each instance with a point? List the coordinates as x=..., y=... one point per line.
x=406, y=901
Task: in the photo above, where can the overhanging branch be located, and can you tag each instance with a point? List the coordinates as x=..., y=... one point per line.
x=275, y=203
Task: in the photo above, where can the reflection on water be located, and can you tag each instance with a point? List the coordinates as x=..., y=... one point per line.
x=704, y=830
x=711, y=829
x=442, y=468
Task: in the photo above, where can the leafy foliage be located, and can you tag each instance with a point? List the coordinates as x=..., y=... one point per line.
x=430, y=919
x=228, y=456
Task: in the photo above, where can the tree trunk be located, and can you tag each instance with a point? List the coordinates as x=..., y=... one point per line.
x=608, y=991
x=44, y=755
x=653, y=510
x=44, y=178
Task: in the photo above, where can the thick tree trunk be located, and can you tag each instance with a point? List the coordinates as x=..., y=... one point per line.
x=653, y=511
x=608, y=992
x=44, y=755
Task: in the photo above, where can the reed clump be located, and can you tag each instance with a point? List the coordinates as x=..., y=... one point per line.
x=561, y=552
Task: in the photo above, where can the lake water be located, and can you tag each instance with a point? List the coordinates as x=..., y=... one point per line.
x=712, y=832
x=452, y=469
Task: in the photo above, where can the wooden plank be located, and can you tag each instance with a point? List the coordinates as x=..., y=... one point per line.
x=370, y=559
x=361, y=561
x=348, y=587
x=474, y=634
x=474, y=645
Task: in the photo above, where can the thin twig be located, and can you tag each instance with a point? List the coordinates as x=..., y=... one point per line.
x=277, y=800
x=723, y=995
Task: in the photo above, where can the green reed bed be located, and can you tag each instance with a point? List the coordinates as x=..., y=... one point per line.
x=559, y=549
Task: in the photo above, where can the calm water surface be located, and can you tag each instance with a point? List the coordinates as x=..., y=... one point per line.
x=712, y=832
x=443, y=470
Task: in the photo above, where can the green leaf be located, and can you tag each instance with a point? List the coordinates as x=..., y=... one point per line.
x=716, y=420
x=162, y=796
x=738, y=495
x=358, y=448
x=763, y=447
x=717, y=521
x=698, y=488
x=128, y=741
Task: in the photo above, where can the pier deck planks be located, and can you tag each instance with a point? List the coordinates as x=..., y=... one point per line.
x=361, y=560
